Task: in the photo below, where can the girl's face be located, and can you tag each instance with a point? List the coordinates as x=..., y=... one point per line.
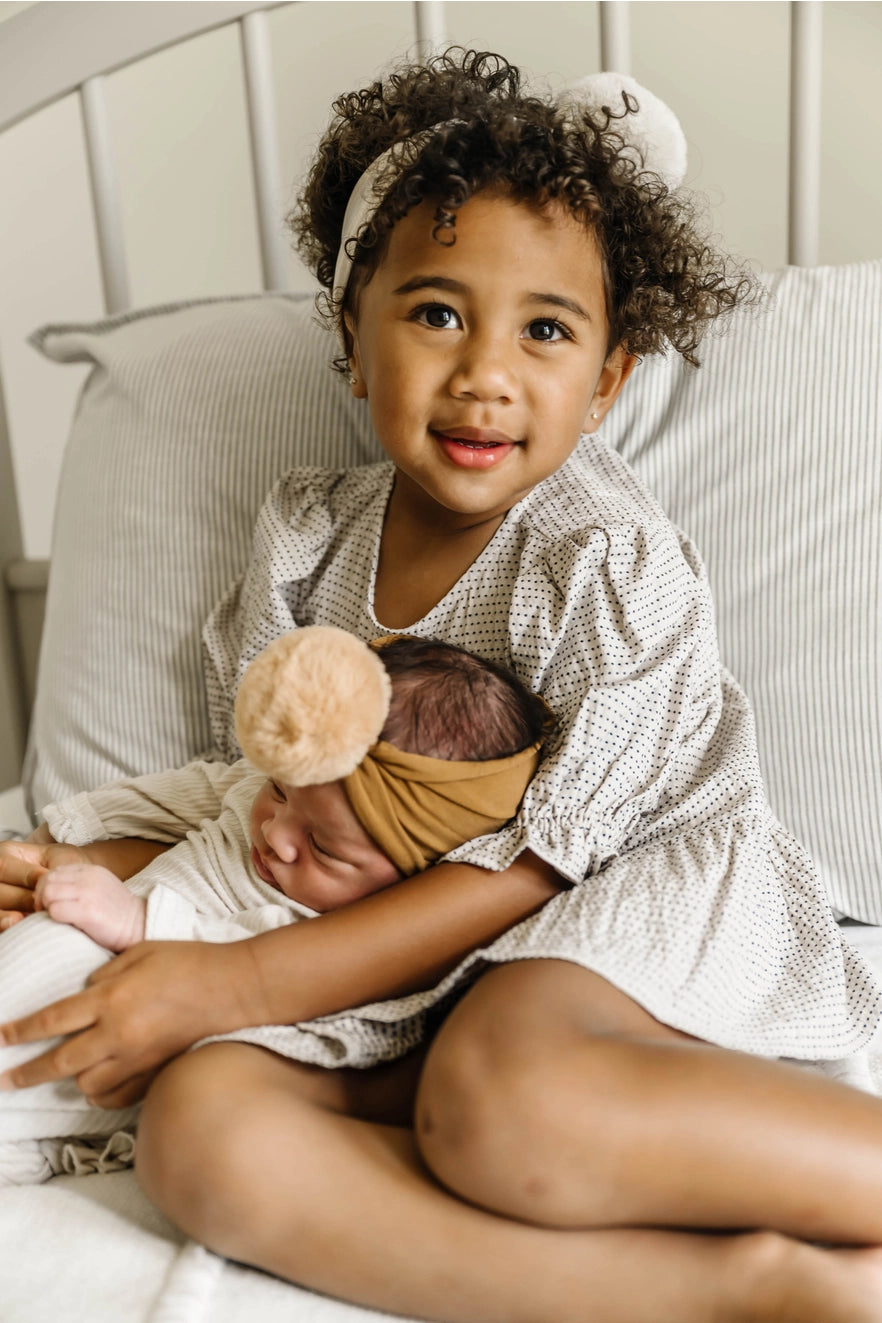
x=482, y=361
x=307, y=842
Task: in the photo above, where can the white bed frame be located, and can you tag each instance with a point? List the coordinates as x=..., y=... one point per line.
x=50, y=50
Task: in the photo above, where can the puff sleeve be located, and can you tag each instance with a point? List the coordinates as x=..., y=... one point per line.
x=614, y=627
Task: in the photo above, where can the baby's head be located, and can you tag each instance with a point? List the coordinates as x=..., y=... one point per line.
x=462, y=125
x=430, y=744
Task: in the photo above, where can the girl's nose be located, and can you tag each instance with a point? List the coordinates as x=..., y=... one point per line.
x=485, y=371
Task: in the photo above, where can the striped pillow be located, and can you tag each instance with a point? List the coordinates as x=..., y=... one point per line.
x=189, y=415
x=770, y=457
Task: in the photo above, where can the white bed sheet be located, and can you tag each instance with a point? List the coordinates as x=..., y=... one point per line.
x=91, y=1249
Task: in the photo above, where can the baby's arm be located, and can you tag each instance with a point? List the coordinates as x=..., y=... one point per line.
x=121, y=826
x=93, y=899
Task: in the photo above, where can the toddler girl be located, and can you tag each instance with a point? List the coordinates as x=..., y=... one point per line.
x=497, y=263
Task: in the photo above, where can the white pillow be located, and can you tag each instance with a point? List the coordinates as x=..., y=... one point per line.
x=770, y=457
x=189, y=415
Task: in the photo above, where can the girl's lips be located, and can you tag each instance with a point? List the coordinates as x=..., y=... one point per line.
x=474, y=448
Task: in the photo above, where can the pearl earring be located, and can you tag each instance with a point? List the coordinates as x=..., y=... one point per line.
x=594, y=415
x=353, y=379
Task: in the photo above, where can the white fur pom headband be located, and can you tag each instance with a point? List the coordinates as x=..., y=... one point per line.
x=656, y=143
x=655, y=139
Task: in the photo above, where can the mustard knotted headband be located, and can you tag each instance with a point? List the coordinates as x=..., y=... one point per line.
x=417, y=809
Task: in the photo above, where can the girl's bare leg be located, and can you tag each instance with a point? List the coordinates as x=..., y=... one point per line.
x=257, y=1158
x=617, y=1120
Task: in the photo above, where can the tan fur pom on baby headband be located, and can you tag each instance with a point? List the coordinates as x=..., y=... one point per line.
x=311, y=705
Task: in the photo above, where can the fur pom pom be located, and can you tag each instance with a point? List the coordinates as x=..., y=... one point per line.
x=311, y=705
x=654, y=129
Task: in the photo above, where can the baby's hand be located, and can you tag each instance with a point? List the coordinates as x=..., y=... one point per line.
x=94, y=900
x=22, y=863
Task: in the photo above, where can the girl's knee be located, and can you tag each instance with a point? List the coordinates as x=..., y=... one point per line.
x=508, y=1076
x=484, y=1104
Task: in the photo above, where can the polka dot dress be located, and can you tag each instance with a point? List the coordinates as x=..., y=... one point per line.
x=686, y=892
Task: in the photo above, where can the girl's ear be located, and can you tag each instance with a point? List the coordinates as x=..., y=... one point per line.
x=357, y=383
x=616, y=371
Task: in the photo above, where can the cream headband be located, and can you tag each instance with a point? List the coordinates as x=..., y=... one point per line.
x=310, y=709
x=654, y=138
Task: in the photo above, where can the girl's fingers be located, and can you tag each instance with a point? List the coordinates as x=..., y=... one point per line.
x=62, y=1017
x=101, y=1086
x=21, y=864
x=70, y=1058
x=16, y=897
x=9, y=918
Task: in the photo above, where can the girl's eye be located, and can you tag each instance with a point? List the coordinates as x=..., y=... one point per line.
x=438, y=316
x=546, y=329
x=277, y=791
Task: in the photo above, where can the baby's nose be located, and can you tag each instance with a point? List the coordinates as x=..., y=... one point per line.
x=280, y=840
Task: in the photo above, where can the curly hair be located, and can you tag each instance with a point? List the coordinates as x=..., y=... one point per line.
x=664, y=283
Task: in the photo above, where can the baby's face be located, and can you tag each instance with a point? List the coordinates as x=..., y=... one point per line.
x=308, y=843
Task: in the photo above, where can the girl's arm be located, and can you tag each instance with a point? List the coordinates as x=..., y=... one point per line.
x=159, y=998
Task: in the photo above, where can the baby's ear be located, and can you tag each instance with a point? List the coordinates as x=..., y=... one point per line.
x=616, y=371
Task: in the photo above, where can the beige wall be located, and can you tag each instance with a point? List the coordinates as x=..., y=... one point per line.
x=181, y=142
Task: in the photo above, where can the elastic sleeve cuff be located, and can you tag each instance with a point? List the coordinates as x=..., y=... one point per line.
x=574, y=850
x=74, y=821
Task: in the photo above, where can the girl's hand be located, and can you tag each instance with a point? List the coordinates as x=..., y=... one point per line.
x=94, y=900
x=136, y=1013
x=22, y=864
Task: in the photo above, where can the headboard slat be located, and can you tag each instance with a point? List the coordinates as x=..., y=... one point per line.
x=431, y=28
x=615, y=35
x=804, y=202
x=13, y=706
x=105, y=196
x=259, y=91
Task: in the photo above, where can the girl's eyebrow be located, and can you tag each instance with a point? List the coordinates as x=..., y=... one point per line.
x=451, y=286
x=561, y=301
x=432, y=282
